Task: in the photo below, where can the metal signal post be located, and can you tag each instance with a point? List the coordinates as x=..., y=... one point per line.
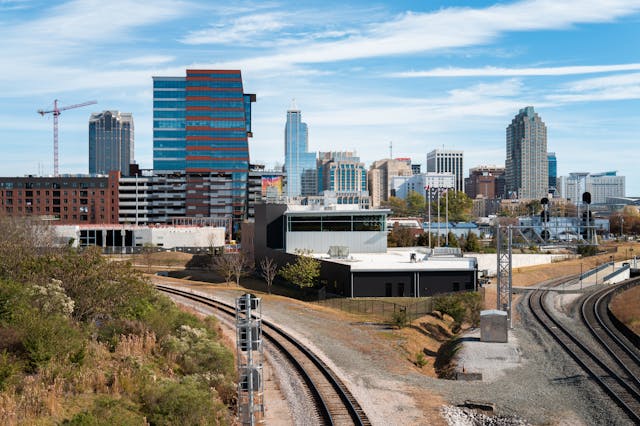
x=250, y=360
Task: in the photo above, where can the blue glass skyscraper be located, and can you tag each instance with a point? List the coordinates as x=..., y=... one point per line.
x=553, y=171
x=299, y=164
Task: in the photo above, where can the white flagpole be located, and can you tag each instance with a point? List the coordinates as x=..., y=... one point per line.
x=429, y=218
x=438, y=217
x=446, y=214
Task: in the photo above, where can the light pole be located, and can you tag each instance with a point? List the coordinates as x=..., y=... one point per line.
x=580, y=275
x=621, y=225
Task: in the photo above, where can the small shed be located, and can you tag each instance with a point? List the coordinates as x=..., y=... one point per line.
x=494, y=326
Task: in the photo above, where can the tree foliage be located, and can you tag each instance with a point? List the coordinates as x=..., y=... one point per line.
x=459, y=206
x=304, y=272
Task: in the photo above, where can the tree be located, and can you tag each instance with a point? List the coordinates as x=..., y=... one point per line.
x=459, y=206
x=415, y=204
x=240, y=266
x=304, y=271
x=224, y=266
x=453, y=240
x=147, y=254
x=400, y=237
x=268, y=271
x=472, y=244
x=397, y=205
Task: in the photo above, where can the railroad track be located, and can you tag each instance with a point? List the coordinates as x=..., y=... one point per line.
x=335, y=405
x=608, y=374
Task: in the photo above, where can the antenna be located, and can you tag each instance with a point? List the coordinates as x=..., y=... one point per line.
x=293, y=104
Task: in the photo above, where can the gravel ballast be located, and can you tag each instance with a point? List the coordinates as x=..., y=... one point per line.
x=545, y=387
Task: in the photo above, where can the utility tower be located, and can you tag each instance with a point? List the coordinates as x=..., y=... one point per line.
x=56, y=112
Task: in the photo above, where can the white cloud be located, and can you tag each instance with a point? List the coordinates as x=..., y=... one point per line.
x=148, y=60
x=423, y=32
x=248, y=28
x=505, y=72
x=609, y=88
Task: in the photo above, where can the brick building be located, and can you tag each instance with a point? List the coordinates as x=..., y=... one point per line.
x=77, y=199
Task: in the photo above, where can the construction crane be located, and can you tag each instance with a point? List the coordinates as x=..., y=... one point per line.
x=56, y=112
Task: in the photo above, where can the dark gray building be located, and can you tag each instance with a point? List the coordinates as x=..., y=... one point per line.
x=110, y=142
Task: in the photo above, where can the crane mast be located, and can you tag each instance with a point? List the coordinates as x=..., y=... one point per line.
x=56, y=112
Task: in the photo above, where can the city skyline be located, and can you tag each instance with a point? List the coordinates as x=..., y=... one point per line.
x=364, y=75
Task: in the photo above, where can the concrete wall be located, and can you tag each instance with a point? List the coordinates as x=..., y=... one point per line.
x=490, y=261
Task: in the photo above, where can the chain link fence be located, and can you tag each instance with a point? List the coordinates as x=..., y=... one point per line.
x=379, y=309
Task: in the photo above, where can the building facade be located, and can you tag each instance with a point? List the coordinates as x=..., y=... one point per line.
x=553, y=172
x=527, y=175
x=380, y=177
x=602, y=186
x=111, y=142
x=341, y=172
x=485, y=182
x=265, y=186
x=447, y=161
x=77, y=199
x=423, y=184
x=299, y=163
x=201, y=127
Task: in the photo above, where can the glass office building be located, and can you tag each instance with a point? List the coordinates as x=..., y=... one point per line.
x=299, y=164
x=110, y=142
x=552, y=162
x=201, y=126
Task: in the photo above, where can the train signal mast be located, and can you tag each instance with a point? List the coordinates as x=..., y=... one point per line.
x=56, y=112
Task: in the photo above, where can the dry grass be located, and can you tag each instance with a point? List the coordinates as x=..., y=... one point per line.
x=626, y=307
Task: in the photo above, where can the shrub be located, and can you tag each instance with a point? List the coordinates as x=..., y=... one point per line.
x=461, y=307
x=48, y=338
x=108, y=411
x=399, y=318
x=9, y=369
x=188, y=402
x=421, y=360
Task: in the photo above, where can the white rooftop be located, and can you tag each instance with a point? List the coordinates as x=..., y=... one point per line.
x=400, y=259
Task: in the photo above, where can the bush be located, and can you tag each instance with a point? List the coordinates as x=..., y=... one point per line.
x=587, y=250
x=461, y=307
x=106, y=412
x=399, y=318
x=421, y=360
x=9, y=370
x=187, y=403
x=48, y=338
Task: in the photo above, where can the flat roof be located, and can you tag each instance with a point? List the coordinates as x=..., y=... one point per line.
x=338, y=212
x=399, y=259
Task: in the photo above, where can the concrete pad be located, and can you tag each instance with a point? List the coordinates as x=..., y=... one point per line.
x=492, y=360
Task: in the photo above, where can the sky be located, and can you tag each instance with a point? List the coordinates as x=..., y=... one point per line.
x=366, y=75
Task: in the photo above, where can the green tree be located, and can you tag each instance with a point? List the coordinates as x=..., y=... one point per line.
x=472, y=244
x=400, y=237
x=415, y=203
x=397, y=205
x=453, y=240
x=304, y=271
x=459, y=206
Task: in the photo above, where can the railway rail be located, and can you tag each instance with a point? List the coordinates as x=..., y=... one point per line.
x=620, y=383
x=335, y=405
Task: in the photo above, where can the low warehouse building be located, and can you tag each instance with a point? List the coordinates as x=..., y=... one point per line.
x=129, y=238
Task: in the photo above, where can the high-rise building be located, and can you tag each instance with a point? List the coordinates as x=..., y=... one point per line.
x=601, y=186
x=201, y=126
x=380, y=175
x=341, y=172
x=447, y=161
x=299, y=163
x=110, y=142
x=527, y=167
x=485, y=182
x=553, y=171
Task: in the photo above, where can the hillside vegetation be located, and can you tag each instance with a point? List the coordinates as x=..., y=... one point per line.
x=84, y=341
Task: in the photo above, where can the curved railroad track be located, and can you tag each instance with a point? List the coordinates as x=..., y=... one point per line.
x=335, y=405
x=608, y=374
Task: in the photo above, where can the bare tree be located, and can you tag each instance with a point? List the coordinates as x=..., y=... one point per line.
x=224, y=266
x=147, y=254
x=241, y=266
x=268, y=271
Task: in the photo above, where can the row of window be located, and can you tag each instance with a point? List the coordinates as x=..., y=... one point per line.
x=214, y=165
x=181, y=115
x=222, y=134
x=221, y=84
x=229, y=124
x=193, y=75
x=169, y=84
x=336, y=223
x=212, y=154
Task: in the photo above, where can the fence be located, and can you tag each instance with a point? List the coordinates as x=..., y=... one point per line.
x=380, y=309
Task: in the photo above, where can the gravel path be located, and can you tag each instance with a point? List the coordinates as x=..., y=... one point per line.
x=547, y=388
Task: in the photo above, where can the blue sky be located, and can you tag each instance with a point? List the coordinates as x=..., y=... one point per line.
x=420, y=74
